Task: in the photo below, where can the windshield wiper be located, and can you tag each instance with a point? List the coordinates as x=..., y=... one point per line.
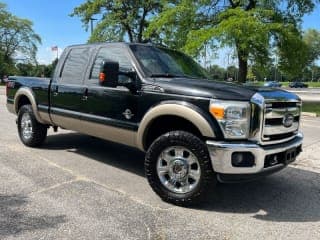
x=166, y=75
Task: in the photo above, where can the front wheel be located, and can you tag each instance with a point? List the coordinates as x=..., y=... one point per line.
x=31, y=132
x=178, y=168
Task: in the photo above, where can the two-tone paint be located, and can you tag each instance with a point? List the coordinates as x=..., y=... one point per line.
x=125, y=115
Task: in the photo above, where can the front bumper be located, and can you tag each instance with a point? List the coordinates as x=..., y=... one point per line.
x=221, y=156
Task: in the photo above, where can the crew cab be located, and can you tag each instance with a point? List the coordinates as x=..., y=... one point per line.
x=194, y=131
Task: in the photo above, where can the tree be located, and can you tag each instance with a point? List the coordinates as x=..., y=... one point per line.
x=312, y=38
x=17, y=38
x=216, y=72
x=252, y=27
x=121, y=20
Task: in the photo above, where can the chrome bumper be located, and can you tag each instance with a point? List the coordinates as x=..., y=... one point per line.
x=221, y=155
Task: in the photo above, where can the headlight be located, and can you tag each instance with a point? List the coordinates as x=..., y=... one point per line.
x=233, y=118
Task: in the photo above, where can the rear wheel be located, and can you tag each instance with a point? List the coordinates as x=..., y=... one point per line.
x=178, y=168
x=31, y=132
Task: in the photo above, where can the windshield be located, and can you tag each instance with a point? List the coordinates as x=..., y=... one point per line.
x=162, y=62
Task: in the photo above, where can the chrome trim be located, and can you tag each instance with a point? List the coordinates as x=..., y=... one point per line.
x=176, y=166
x=279, y=129
x=269, y=130
x=257, y=106
x=261, y=110
x=221, y=152
x=280, y=112
x=26, y=126
x=182, y=110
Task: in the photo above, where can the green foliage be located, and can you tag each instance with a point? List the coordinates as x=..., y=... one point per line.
x=17, y=39
x=311, y=107
x=254, y=28
x=119, y=20
x=35, y=70
x=312, y=39
x=293, y=53
x=216, y=72
x=250, y=75
x=172, y=25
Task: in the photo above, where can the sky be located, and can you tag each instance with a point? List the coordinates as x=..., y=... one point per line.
x=56, y=28
x=52, y=22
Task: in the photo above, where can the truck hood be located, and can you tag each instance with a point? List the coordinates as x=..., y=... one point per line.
x=218, y=90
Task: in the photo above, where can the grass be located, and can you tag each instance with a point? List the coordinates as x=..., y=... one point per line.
x=311, y=107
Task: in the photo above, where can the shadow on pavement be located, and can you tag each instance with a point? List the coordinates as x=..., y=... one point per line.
x=117, y=155
x=292, y=195
x=14, y=219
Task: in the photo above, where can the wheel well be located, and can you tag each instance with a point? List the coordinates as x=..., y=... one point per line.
x=23, y=100
x=164, y=124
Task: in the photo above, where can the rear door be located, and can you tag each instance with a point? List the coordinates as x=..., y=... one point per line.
x=67, y=90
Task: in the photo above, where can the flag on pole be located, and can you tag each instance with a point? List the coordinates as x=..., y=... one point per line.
x=55, y=49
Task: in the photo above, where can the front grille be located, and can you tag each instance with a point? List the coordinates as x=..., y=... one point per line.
x=275, y=128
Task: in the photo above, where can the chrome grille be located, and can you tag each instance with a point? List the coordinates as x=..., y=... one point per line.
x=275, y=115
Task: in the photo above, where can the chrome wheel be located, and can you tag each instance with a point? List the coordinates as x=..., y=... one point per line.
x=178, y=169
x=26, y=126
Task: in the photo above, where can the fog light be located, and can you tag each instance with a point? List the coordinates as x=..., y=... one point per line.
x=242, y=159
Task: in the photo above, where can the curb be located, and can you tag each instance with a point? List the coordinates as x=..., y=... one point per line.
x=308, y=114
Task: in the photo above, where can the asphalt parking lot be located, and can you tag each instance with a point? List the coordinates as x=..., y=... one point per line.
x=80, y=187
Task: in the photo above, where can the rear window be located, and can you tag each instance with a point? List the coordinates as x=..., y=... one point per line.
x=75, y=66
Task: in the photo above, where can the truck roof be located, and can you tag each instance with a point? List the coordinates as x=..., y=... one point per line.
x=110, y=43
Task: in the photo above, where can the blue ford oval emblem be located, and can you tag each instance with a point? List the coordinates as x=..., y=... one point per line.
x=287, y=120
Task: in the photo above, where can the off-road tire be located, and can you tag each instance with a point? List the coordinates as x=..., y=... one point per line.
x=39, y=131
x=199, y=149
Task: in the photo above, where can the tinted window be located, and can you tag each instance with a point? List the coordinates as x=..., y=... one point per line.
x=75, y=66
x=161, y=61
x=116, y=54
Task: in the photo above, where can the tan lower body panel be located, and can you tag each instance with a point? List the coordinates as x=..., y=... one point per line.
x=105, y=132
x=45, y=117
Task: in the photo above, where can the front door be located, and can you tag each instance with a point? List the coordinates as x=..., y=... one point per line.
x=110, y=112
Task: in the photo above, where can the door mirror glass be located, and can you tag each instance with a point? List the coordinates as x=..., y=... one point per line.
x=109, y=73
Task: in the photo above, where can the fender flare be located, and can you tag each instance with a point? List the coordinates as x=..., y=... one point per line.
x=179, y=109
x=27, y=92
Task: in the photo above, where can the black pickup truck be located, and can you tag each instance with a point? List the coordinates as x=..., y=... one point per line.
x=194, y=131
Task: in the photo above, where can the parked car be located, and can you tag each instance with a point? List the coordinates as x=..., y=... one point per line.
x=194, y=131
x=298, y=85
x=272, y=84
